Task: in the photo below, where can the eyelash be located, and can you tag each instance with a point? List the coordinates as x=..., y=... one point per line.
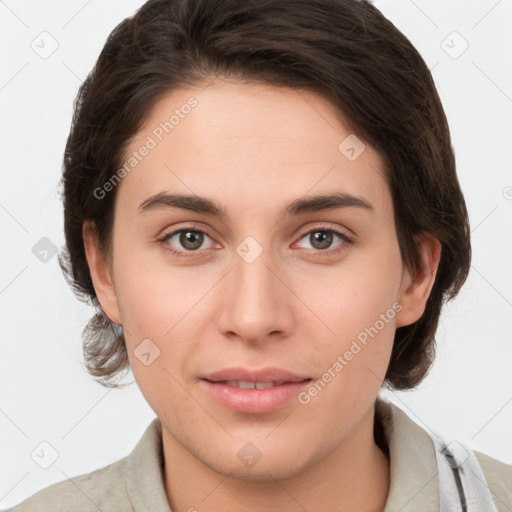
x=317, y=252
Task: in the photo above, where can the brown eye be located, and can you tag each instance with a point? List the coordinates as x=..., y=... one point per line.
x=184, y=241
x=321, y=239
x=191, y=240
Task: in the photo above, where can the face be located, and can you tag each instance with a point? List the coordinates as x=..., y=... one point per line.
x=274, y=285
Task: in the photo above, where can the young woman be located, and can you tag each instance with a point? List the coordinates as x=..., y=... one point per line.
x=261, y=200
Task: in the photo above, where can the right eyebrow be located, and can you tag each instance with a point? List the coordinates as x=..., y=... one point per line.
x=184, y=201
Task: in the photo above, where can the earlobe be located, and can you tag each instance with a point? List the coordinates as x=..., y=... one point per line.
x=415, y=289
x=100, y=273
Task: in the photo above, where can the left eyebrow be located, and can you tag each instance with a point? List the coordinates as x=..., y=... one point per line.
x=301, y=206
x=323, y=202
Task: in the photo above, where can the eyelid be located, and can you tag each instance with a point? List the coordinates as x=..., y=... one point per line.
x=346, y=240
x=190, y=227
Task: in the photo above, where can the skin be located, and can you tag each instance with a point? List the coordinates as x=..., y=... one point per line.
x=254, y=149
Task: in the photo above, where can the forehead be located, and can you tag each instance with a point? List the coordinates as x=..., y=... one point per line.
x=246, y=142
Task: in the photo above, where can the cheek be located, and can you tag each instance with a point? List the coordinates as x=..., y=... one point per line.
x=358, y=304
x=158, y=305
x=153, y=296
x=161, y=336
x=352, y=296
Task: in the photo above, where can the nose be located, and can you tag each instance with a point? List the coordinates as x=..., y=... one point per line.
x=256, y=303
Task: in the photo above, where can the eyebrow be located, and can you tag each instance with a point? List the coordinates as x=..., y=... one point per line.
x=311, y=204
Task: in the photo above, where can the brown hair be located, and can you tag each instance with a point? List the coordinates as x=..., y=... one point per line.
x=345, y=50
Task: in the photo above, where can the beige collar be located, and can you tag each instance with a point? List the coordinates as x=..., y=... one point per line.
x=413, y=466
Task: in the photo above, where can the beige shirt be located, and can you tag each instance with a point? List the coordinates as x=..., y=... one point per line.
x=136, y=482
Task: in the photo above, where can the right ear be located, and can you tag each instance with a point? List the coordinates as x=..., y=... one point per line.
x=100, y=273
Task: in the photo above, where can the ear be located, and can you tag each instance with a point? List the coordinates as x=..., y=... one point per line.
x=415, y=289
x=100, y=273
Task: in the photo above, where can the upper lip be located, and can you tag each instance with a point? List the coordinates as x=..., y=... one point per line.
x=269, y=374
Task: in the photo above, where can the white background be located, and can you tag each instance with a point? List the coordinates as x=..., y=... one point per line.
x=46, y=395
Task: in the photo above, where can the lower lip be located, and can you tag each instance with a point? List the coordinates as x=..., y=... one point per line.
x=255, y=401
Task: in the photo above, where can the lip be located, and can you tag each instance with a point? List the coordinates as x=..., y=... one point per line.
x=254, y=401
x=269, y=374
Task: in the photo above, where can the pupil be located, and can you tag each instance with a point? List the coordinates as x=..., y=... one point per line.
x=322, y=239
x=191, y=239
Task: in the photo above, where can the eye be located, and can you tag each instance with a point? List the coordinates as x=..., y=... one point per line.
x=321, y=240
x=186, y=240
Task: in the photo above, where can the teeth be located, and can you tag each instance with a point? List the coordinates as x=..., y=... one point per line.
x=241, y=384
x=246, y=385
x=264, y=385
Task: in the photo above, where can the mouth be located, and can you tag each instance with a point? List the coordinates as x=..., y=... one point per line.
x=243, y=384
x=254, y=392
x=272, y=375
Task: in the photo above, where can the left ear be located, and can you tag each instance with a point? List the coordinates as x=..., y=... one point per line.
x=415, y=289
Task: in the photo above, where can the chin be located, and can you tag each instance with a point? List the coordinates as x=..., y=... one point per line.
x=272, y=462
x=259, y=472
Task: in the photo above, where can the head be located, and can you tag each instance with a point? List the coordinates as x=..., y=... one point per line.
x=323, y=216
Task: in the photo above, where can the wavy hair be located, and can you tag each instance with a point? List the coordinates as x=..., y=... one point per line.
x=344, y=50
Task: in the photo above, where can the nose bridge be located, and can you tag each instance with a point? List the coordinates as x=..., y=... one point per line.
x=254, y=302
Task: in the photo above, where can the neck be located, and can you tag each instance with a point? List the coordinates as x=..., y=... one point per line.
x=354, y=477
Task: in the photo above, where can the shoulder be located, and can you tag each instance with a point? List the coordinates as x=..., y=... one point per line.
x=133, y=482
x=498, y=475
x=102, y=489
x=408, y=443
